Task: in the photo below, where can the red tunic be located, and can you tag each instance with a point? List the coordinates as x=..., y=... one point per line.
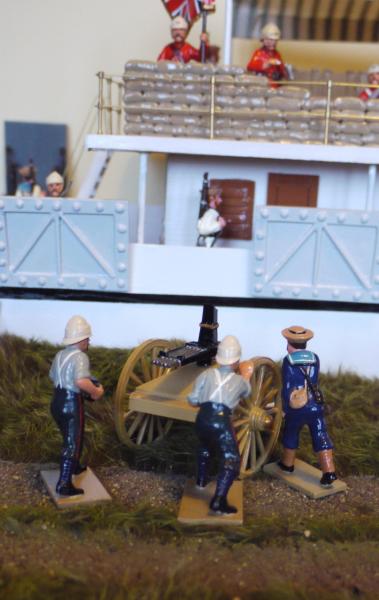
x=268, y=62
x=369, y=93
x=183, y=53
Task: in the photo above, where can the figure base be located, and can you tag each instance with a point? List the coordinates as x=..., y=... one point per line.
x=94, y=491
x=306, y=479
x=194, y=507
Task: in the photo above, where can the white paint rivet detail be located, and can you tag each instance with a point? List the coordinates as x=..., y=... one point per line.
x=1, y=225
x=258, y=287
x=121, y=228
x=99, y=206
x=341, y=218
x=259, y=255
x=357, y=295
x=277, y=291
x=364, y=218
x=296, y=292
x=260, y=235
x=57, y=205
x=121, y=247
x=38, y=204
x=336, y=293
x=315, y=293
x=60, y=281
x=20, y=203
x=103, y=284
x=3, y=262
x=264, y=213
x=321, y=216
x=375, y=295
x=303, y=214
x=82, y=281
x=22, y=280
x=121, y=283
x=4, y=277
x=42, y=280
x=120, y=207
x=2, y=204
x=284, y=212
x=77, y=206
x=376, y=279
x=121, y=266
x=258, y=272
x=2, y=245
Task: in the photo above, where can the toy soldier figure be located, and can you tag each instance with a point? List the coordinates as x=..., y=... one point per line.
x=54, y=184
x=179, y=50
x=217, y=391
x=210, y=224
x=371, y=93
x=71, y=375
x=303, y=404
x=266, y=60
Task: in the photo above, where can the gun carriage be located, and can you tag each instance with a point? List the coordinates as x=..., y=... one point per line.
x=158, y=376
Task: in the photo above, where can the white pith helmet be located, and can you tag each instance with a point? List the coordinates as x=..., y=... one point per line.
x=228, y=351
x=77, y=329
x=54, y=177
x=179, y=23
x=373, y=69
x=270, y=32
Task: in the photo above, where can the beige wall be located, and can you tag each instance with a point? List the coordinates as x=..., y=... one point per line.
x=50, y=51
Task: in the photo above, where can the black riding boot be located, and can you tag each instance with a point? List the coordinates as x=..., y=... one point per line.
x=64, y=486
x=219, y=501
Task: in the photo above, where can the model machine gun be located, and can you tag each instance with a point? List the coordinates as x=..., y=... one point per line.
x=202, y=352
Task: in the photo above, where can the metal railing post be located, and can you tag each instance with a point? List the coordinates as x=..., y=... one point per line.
x=328, y=110
x=100, y=103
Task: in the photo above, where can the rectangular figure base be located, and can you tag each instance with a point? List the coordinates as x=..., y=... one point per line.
x=194, y=506
x=94, y=491
x=306, y=479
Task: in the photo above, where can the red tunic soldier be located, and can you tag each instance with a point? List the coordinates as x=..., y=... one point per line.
x=179, y=50
x=266, y=60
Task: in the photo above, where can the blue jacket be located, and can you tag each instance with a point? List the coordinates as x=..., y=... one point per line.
x=292, y=377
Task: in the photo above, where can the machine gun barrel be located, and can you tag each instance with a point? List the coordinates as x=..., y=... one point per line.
x=202, y=352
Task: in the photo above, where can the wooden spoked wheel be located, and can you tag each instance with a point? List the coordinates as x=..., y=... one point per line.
x=135, y=428
x=257, y=419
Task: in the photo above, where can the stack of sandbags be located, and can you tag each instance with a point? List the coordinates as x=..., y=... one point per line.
x=167, y=98
x=172, y=99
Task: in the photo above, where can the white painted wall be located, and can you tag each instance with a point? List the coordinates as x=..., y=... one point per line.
x=340, y=186
x=341, y=339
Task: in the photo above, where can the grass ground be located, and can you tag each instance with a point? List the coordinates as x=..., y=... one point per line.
x=289, y=546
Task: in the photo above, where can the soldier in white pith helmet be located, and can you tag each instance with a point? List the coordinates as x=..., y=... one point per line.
x=371, y=93
x=266, y=60
x=217, y=392
x=54, y=184
x=70, y=373
x=179, y=50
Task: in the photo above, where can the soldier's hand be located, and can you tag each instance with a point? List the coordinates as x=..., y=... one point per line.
x=98, y=392
x=246, y=369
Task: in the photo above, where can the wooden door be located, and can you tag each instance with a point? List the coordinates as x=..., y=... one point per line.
x=237, y=207
x=292, y=190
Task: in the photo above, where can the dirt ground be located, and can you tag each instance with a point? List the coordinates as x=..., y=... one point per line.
x=117, y=563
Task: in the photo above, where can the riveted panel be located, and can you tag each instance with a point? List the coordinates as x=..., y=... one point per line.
x=316, y=254
x=62, y=243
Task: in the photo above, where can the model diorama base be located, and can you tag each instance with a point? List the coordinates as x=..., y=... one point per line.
x=94, y=491
x=194, y=507
x=306, y=479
